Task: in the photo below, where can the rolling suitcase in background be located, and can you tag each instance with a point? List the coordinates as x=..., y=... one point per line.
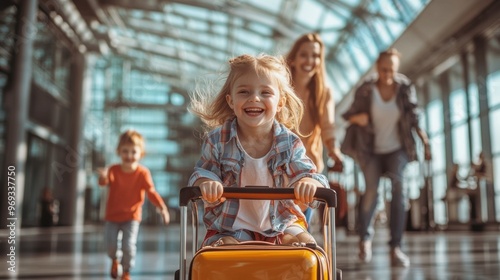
x=257, y=259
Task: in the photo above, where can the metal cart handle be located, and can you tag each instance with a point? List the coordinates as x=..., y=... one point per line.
x=328, y=196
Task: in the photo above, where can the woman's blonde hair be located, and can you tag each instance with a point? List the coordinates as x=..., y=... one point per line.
x=131, y=137
x=317, y=84
x=214, y=110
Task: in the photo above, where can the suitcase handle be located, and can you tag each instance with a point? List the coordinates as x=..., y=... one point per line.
x=328, y=196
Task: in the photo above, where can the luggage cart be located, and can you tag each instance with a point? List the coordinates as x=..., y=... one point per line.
x=254, y=251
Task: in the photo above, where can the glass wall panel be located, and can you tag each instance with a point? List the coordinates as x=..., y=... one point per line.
x=435, y=112
x=476, y=145
x=413, y=179
x=154, y=160
x=493, y=63
x=163, y=147
x=36, y=178
x=438, y=153
x=473, y=100
x=494, y=88
x=440, y=212
x=472, y=87
x=496, y=175
x=435, y=123
x=495, y=131
x=44, y=47
x=460, y=136
x=458, y=106
x=7, y=33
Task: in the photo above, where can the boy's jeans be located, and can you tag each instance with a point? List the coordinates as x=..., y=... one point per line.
x=128, y=246
x=392, y=166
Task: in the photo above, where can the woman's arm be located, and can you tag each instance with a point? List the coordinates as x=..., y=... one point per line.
x=360, y=105
x=425, y=141
x=327, y=124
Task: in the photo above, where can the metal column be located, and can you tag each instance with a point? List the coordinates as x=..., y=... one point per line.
x=16, y=108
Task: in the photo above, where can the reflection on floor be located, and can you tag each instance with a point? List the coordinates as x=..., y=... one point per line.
x=66, y=253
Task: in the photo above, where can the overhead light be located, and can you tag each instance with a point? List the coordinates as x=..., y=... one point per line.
x=103, y=47
x=82, y=48
x=57, y=18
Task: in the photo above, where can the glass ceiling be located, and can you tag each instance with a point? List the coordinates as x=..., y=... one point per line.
x=182, y=40
x=159, y=50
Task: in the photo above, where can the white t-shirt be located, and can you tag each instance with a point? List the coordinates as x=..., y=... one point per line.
x=254, y=214
x=385, y=116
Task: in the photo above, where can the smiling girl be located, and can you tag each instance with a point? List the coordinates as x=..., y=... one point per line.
x=250, y=142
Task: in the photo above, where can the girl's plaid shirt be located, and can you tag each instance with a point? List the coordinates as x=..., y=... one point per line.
x=222, y=159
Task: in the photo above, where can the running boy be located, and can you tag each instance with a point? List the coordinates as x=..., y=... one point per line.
x=127, y=183
x=251, y=143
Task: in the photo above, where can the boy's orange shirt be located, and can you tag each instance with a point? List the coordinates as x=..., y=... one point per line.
x=126, y=193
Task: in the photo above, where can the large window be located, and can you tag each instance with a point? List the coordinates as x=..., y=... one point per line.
x=436, y=134
x=493, y=79
x=493, y=87
x=458, y=117
x=51, y=58
x=474, y=110
x=436, y=137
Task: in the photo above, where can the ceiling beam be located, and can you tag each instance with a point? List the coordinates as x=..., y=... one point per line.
x=114, y=104
x=201, y=63
x=134, y=25
x=146, y=5
x=184, y=33
x=246, y=12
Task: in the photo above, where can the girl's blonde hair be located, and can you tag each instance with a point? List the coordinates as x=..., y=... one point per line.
x=316, y=86
x=214, y=110
x=131, y=137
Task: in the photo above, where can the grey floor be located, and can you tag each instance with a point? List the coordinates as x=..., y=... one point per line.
x=78, y=253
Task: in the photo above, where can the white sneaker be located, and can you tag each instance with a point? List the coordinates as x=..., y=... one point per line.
x=365, y=251
x=398, y=258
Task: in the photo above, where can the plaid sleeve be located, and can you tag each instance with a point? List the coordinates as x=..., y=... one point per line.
x=301, y=166
x=208, y=166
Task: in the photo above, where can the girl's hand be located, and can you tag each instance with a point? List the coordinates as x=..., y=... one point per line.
x=305, y=189
x=211, y=191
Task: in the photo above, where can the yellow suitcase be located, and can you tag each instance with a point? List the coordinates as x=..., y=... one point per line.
x=257, y=259
x=251, y=260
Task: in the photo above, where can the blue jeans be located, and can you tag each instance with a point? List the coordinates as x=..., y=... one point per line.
x=129, y=230
x=390, y=165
